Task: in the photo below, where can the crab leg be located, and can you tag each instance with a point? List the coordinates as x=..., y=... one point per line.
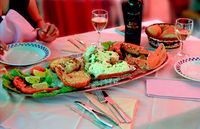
x=154, y=59
x=117, y=48
x=135, y=49
x=157, y=58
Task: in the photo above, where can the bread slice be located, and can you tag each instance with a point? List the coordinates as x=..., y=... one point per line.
x=154, y=30
x=169, y=33
x=65, y=64
x=77, y=79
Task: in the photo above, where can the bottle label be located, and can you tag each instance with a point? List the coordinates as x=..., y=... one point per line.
x=132, y=25
x=134, y=14
x=133, y=20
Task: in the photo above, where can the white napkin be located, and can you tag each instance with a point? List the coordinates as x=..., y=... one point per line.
x=15, y=28
x=175, y=89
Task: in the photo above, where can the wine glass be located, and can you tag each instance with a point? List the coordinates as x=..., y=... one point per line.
x=183, y=29
x=99, y=21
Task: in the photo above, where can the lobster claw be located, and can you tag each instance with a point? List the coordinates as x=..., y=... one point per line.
x=154, y=59
x=117, y=48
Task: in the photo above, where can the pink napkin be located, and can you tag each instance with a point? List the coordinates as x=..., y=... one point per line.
x=15, y=28
x=176, y=89
x=128, y=105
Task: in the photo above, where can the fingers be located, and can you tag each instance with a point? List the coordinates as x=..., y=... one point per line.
x=50, y=39
x=50, y=29
x=45, y=28
x=3, y=47
x=43, y=37
x=48, y=33
x=1, y=52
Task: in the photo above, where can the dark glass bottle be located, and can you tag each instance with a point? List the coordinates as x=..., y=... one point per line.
x=132, y=11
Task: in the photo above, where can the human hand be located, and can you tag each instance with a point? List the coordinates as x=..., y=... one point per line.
x=3, y=47
x=48, y=33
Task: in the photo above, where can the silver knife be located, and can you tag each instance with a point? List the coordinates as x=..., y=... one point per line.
x=118, y=109
x=85, y=116
x=95, y=113
x=80, y=41
x=76, y=45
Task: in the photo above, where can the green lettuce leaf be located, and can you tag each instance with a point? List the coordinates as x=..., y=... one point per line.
x=107, y=45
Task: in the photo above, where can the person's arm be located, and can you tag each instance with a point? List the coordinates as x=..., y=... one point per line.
x=1, y=14
x=1, y=10
x=48, y=32
x=34, y=13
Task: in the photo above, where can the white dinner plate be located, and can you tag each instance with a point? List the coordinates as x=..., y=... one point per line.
x=22, y=54
x=189, y=68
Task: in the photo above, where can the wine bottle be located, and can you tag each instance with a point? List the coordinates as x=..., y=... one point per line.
x=132, y=12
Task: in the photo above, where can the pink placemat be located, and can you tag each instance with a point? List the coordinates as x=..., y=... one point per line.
x=175, y=89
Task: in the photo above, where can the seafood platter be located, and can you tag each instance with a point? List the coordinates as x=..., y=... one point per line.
x=117, y=63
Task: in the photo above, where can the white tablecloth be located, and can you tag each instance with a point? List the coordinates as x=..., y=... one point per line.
x=17, y=112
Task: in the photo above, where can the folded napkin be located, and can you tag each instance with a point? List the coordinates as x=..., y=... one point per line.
x=175, y=89
x=128, y=105
x=15, y=28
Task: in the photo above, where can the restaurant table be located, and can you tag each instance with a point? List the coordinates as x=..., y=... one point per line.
x=18, y=112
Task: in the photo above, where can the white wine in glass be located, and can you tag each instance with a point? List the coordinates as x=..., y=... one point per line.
x=183, y=29
x=99, y=21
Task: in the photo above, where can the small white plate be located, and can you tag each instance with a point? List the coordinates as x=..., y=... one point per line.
x=22, y=54
x=189, y=68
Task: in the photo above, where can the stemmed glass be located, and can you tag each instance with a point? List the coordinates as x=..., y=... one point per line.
x=183, y=29
x=99, y=21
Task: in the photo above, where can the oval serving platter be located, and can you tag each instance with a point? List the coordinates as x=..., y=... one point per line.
x=189, y=68
x=95, y=85
x=22, y=54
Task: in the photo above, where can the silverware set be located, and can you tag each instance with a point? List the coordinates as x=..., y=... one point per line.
x=97, y=114
x=116, y=110
x=99, y=118
x=78, y=43
x=85, y=116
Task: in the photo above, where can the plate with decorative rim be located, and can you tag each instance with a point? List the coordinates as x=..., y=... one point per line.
x=189, y=68
x=22, y=54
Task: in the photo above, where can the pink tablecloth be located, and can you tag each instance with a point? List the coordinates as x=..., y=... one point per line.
x=152, y=113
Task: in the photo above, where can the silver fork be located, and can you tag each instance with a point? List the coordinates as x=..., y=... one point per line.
x=102, y=99
x=76, y=37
